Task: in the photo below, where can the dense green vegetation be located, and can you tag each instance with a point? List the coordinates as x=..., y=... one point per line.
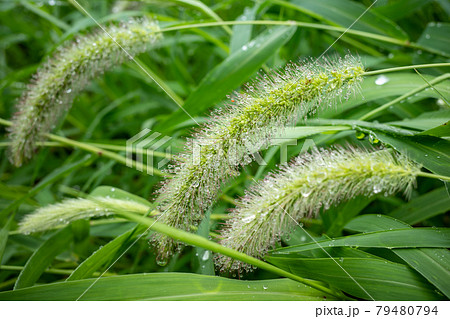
x=378, y=245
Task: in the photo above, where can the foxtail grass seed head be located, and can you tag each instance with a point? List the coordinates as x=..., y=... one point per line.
x=56, y=84
x=53, y=216
x=311, y=182
x=243, y=126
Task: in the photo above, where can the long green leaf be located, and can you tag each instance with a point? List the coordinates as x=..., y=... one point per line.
x=4, y=232
x=439, y=131
x=104, y=255
x=423, y=207
x=401, y=8
x=436, y=37
x=43, y=257
x=203, y=258
x=243, y=33
x=399, y=238
x=117, y=193
x=433, y=264
x=169, y=286
x=420, y=124
x=383, y=280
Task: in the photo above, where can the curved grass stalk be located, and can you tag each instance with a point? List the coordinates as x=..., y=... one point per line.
x=238, y=130
x=408, y=67
x=310, y=183
x=97, y=149
x=199, y=241
x=56, y=84
x=53, y=216
x=363, y=34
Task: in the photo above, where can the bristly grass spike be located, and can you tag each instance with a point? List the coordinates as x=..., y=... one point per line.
x=57, y=82
x=311, y=182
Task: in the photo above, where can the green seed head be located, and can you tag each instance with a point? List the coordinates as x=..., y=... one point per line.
x=57, y=83
x=311, y=182
x=53, y=216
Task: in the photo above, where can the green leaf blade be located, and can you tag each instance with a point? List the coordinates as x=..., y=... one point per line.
x=43, y=257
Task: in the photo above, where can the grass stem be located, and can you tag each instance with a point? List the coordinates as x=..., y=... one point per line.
x=98, y=151
x=435, y=176
x=65, y=272
x=407, y=67
x=202, y=242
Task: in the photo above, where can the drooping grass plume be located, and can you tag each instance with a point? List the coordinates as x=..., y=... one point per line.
x=52, y=216
x=274, y=206
x=242, y=127
x=57, y=82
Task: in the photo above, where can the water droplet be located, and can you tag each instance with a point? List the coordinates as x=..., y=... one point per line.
x=161, y=262
x=244, y=48
x=373, y=139
x=248, y=219
x=69, y=90
x=205, y=255
x=376, y=189
x=265, y=287
x=306, y=191
x=381, y=80
x=360, y=135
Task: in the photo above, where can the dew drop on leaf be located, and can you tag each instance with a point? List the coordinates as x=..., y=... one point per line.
x=205, y=255
x=381, y=80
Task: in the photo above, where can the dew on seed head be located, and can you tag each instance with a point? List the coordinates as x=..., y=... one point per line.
x=377, y=188
x=161, y=262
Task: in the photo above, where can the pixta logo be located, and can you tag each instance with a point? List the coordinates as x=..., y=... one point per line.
x=143, y=148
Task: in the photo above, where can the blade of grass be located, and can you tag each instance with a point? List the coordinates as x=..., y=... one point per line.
x=43, y=257
x=170, y=286
x=104, y=255
x=423, y=207
x=433, y=264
